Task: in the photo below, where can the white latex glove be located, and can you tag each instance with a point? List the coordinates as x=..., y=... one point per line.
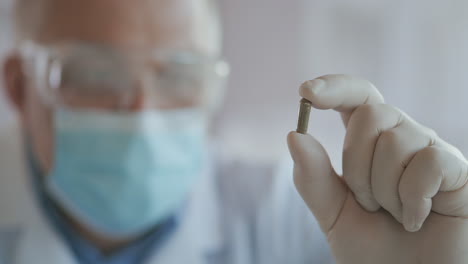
x=403, y=195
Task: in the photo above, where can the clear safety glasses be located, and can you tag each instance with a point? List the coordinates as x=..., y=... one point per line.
x=95, y=76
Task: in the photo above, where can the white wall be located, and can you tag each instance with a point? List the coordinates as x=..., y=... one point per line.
x=416, y=52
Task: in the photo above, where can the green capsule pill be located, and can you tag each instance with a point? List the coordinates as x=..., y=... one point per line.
x=304, y=113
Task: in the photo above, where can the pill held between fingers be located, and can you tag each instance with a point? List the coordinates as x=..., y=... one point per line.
x=304, y=113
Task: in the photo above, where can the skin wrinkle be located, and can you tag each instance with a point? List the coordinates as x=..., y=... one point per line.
x=450, y=216
x=366, y=101
x=458, y=209
x=380, y=131
x=439, y=183
x=330, y=230
x=372, y=163
x=464, y=184
x=404, y=165
x=399, y=182
x=462, y=174
x=443, y=177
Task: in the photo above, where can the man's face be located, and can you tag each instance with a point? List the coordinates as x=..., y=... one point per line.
x=132, y=26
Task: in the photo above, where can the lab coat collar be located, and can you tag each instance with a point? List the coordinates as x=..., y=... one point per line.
x=199, y=235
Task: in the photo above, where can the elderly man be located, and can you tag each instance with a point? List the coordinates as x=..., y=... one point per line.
x=112, y=161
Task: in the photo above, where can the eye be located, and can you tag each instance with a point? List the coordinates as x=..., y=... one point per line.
x=91, y=82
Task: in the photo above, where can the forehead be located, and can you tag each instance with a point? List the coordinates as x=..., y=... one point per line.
x=135, y=24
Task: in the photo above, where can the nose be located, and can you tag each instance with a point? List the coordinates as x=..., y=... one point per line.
x=138, y=100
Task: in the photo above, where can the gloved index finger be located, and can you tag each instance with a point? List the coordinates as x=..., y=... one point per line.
x=342, y=93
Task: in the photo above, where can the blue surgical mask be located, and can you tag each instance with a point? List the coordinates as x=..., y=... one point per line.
x=123, y=173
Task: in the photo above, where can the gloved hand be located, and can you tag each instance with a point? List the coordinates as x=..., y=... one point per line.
x=402, y=197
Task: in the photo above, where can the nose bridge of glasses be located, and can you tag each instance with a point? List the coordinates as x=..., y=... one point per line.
x=155, y=89
x=148, y=93
x=138, y=101
x=143, y=93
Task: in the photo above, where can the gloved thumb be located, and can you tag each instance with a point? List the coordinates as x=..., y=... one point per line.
x=317, y=182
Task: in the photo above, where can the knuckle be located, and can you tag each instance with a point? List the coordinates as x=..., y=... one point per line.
x=368, y=111
x=360, y=187
x=334, y=77
x=386, y=194
x=431, y=155
x=387, y=198
x=389, y=138
x=424, y=131
x=373, y=112
x=432, y=134
x=370, y=84
x=410, y=197
x=406, y=192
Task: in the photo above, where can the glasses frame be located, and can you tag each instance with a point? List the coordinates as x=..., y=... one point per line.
x=43, y=67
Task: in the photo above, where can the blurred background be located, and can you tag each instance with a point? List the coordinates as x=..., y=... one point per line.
x=415, y=52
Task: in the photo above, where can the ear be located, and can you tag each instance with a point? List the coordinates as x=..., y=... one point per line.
x=15, y=82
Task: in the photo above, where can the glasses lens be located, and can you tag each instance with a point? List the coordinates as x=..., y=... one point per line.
x=97, y=77
x=191, y=79
x=91, y=78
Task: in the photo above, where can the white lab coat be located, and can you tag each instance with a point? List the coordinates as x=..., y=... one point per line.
x=237, y=214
